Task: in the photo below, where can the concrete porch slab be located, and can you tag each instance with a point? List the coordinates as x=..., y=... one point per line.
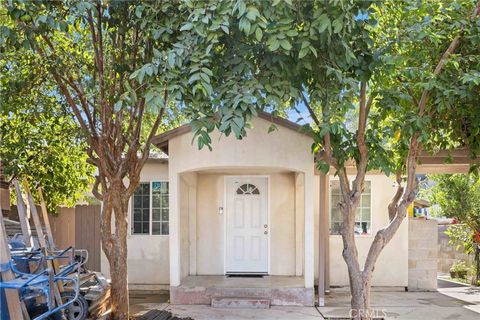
x=280, y=290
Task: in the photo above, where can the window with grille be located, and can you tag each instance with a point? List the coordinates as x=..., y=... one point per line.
x=150, y=214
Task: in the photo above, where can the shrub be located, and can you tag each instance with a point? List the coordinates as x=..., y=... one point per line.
x=459, y=270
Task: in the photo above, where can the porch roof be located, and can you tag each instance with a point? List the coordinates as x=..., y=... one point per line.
x=443, y=161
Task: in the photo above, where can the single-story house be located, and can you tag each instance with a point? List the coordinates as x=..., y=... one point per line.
x=255, y=207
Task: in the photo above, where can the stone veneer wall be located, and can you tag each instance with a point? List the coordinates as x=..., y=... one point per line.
x=447, y=253
x=422, y=255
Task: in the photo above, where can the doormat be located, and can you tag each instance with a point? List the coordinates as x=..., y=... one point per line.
x=343, y=318
x=160, y=315
x=245, y=275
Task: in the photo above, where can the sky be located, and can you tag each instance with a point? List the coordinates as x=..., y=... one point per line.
x=294, y=116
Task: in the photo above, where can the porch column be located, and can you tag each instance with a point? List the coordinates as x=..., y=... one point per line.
x=299, y=222
x=174, y=228
x=309, y=264
x=324, y=239
x=191, y=247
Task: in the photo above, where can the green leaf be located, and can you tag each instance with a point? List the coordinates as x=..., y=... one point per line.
x=258, y=34
x=156, y=53
x=323, y=167
x=118, y=105
x=272, y=128
x=337, y=25
x=207, y=71
x=225, y=29
x=171, y=59
x=305, y=44
x=141, y=75
x=303, y=52
x=236, y=130
x=187, y=26
x=324, y=23
x=204, y=77
x=273, y=44
x=252, y=13
x=241, y=8
x=292, y=33
x=195, y=77
x=239, y=122
x=286, y=45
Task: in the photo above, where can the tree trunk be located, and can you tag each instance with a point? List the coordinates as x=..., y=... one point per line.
x=115, y=246
x=358, y=287
x=119, y=276
x=360, y=303
x=360, y=279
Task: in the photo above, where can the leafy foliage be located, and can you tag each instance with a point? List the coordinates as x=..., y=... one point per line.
x=40, y=140
x=460, y=236
x=458, y=196
x=125, y=69
x=278, y=55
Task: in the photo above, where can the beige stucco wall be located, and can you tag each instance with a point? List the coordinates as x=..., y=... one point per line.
x=148, y=255
x=196, y=227
x=392, y=265
x=210, y=224
x=283, y=149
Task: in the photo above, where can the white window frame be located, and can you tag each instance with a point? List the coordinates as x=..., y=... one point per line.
x=130, y=207
x=330, y=205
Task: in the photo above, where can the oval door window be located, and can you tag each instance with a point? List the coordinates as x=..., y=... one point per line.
x=248, y=188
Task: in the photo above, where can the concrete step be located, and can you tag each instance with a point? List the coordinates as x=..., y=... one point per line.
x=192, y=294
x=240, y=303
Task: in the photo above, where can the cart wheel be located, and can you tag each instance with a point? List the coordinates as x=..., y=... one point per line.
x=78, y=310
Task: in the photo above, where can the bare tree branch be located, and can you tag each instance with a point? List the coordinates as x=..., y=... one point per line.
x=95, y=190
x=146, y=150
x=310, y=110
x=393, y=205
x=362, y=146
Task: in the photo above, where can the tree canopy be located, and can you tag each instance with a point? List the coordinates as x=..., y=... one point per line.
x=285, y=53
x=458, y=196
x=40, y=141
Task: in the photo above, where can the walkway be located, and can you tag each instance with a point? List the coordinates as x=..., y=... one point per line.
x=451, y=301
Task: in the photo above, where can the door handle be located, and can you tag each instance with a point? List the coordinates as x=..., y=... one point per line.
x=265, y=226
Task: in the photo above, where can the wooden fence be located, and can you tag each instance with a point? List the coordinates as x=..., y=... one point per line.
x=87, y=233
x=79, y=227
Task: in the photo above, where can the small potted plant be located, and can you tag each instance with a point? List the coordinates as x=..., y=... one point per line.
x=459, y=270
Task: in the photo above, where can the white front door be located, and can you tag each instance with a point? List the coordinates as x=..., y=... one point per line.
x=246, y=225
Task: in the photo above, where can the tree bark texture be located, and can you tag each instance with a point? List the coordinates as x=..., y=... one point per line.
x=114, y=243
